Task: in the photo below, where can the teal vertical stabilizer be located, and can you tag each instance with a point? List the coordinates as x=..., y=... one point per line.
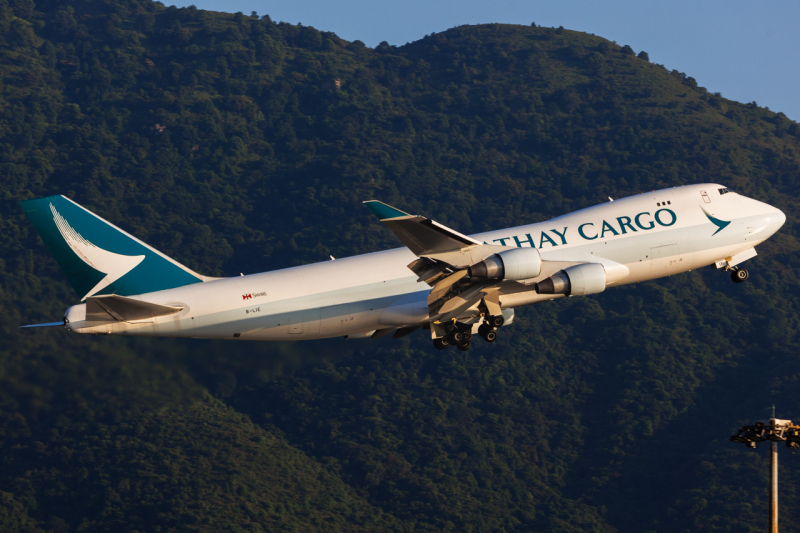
x=99, y=258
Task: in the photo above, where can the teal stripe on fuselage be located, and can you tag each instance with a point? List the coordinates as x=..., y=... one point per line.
x=341, y=302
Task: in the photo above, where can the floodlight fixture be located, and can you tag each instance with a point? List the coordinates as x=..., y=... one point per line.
x=775, y=430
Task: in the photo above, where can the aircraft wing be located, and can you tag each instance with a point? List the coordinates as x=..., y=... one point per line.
x=444, y=255
x=421, y=235
x=433, y=241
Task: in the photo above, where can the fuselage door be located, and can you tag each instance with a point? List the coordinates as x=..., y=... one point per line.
x=333, y=319
x=296, y=323
x=664, y=259
x=304, y=322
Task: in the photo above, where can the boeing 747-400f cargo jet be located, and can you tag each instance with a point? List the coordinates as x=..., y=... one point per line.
x=445, y=282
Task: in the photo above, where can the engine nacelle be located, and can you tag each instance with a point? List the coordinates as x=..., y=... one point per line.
x=522, y=263
x=578, y=280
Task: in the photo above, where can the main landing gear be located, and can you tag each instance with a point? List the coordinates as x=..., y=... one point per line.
x=739, y=275
x=460, y=334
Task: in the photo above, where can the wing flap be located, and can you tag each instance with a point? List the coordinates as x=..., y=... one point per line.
x=460, y=303
x=441, y=288
x=428, y=271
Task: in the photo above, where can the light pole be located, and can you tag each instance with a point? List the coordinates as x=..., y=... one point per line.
x=775, y=431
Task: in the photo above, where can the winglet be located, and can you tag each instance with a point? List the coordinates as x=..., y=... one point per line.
x=383, y=211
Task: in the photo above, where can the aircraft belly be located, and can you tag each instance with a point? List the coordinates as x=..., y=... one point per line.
x=333, y=325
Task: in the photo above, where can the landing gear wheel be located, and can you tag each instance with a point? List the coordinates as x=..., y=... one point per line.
x=496, y=321
x=464, y=346
x=467, y=334
x=456, y=337
x=442, y=343
x=739, y=275
x=490, y=336
x=484, y=329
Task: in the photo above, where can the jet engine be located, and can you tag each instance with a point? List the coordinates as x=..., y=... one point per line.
x=522, y=263
x=578, y=280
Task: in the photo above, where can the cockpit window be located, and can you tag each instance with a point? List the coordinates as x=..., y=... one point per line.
x=725, y=191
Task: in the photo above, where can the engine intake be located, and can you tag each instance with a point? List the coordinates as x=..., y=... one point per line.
x=522, y=263
x=578, y=280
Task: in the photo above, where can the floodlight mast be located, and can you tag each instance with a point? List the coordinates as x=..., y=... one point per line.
x=773, y=486
x=777, y=430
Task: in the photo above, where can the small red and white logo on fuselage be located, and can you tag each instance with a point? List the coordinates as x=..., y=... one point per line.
x=252, y=295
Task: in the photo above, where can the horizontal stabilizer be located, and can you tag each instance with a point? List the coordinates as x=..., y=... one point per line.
x=118, y=308
x=421, y=235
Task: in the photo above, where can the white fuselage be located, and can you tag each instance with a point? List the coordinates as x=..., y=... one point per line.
x=638, y=238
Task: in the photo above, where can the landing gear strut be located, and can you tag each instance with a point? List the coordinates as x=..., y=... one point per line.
x=739, y=275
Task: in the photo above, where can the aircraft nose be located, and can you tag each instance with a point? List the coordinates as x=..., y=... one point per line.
x=775, y=221
x=781, y=220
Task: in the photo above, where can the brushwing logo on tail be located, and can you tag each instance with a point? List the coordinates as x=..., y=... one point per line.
x=114, y=266
x=720, y=224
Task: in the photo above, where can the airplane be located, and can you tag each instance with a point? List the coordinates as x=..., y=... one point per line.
x=451, y=285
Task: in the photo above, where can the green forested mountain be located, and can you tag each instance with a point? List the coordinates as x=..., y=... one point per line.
x=235, y=144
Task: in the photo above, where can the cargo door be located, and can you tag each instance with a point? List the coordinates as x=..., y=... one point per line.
x=296, y=323
x=333, y=320
x=665, y=259
x=304, y=322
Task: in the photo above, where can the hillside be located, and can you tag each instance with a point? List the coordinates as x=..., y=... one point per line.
x=235, y=144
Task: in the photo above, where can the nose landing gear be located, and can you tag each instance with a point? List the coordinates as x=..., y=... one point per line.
x=739, y=275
